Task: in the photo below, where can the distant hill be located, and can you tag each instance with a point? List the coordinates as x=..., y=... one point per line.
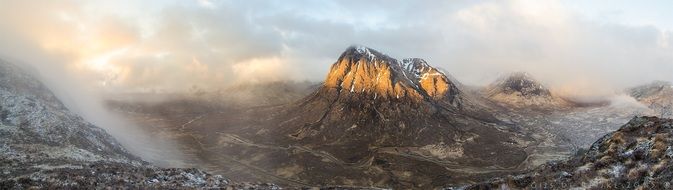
x=522, y=90
x=657, y=95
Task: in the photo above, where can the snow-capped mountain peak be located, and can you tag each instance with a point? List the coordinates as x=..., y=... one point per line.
x=362, y=70
x=365, y=51
x=416, y=66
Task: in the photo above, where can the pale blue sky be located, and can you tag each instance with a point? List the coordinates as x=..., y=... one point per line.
x=656, y=12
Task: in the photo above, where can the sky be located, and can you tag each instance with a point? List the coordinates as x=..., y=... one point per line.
x=576, y=47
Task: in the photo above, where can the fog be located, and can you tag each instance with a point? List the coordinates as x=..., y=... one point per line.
x=84, y=98
x=86, y=49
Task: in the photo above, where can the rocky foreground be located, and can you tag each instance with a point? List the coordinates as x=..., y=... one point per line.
x=104, y=175
x=637, y=156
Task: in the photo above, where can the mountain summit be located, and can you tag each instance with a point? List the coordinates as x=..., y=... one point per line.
x=521, y=89
x=520, y=83
x=361, y=70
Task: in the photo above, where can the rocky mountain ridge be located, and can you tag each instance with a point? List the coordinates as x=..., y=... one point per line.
x=364, y=70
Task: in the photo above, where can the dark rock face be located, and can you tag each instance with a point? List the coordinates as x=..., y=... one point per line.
x=637, y=156
x=43, y=145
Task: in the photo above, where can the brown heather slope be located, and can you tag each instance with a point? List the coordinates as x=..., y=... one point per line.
x=637, y=156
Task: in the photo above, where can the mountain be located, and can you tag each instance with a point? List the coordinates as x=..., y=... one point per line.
x=373, y=99
x=375, y=121
x=44, y=145
x=371, y=74
x=370, y=102
x=637, y=156
x=35, y=122
x=519, y=89
x=657, y=95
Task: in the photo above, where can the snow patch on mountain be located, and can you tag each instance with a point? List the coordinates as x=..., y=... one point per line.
x=520, y=89
x=383, y=77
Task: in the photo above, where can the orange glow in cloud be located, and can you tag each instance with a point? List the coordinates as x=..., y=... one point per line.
x=257, y=70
